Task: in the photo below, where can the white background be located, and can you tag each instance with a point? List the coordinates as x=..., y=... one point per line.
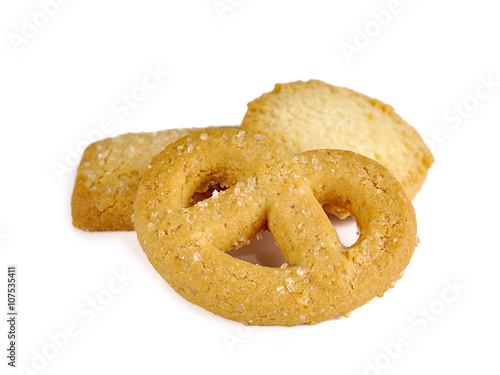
x=61, y=80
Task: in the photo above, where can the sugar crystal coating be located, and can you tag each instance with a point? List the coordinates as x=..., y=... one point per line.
x=268, y=189
x=109, y=175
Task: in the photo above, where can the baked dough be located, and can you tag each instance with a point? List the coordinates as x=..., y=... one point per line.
x=316, y=115
x=109, y=174
x=268, y=188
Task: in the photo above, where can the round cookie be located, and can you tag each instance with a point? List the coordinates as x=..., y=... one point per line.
x=268, y=188
x=315, y=115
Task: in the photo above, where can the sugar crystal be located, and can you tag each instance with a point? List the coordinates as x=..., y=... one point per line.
x=305, y=300
x=301, y=271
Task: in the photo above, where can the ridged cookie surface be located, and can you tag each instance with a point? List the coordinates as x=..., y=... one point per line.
x=315, y=115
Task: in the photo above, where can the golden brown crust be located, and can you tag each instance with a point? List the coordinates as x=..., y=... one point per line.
x=269, y=188
x=315, y=115
x=108, y=177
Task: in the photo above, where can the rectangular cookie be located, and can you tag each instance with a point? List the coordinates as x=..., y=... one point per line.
x=108, y=177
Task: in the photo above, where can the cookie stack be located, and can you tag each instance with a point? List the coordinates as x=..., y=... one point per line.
x=303, y=148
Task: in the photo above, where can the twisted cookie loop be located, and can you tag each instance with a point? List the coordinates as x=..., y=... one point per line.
x=270, y=188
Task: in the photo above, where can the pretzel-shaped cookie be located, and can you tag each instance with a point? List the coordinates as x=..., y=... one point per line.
x=272, y=189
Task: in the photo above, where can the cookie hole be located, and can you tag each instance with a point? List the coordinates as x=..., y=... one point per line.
x=202, y=195
x=261, y=250
x=347, y=229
